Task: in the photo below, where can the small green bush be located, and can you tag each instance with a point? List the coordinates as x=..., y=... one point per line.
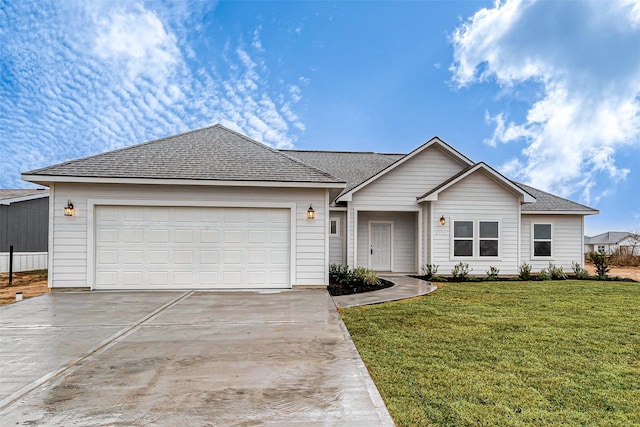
x=579, y=271
x=343, y=276
x=492, y=273
x=544, y=275
x=602, y=262
x=556, y=273
x=525, y=272
x=430, y=270
x=460, y=271
x=340, y=274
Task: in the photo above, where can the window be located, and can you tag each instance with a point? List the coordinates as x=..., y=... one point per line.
x=541, y=240
x=600, y=248
x=463, y=238
x=334, y=227
x=489, y=240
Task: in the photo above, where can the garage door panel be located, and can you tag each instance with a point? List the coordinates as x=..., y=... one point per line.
x=183, y=247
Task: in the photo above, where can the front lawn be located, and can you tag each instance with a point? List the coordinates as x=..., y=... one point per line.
x=554, y=353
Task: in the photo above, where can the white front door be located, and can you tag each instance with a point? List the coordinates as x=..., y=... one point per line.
x=380, y=245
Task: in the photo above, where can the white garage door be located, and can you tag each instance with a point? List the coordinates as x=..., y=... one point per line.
x=144, y=247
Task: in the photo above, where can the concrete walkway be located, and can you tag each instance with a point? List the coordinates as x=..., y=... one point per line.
x=182, y=358
x=405, y=287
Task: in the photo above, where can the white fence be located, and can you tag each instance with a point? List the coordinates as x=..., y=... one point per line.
x=24, y=261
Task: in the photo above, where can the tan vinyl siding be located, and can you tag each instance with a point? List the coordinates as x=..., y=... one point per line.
x=566, y=241
x=70, y=234
x=476, y=198
x=401, y=186
x=403, y=239
x=337, y=244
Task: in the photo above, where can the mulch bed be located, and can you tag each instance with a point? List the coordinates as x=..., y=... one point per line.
x=336, y=289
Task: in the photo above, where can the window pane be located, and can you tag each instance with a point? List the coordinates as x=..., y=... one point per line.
x=463, y=229
x=542, y=231
x=333, y=227
x=488, y=248
x=489, y=230
x=542, y=248
x=463, y=248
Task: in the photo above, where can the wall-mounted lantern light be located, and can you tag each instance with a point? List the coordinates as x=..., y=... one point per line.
x=311, y=214
x=442, y=220
x=68, y=210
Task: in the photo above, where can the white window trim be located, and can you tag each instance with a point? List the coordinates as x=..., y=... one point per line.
x=476, y=240
x=337, y=220
x=533, y=240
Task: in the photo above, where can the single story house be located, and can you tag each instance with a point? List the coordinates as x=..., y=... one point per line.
x=612, y=242
x=24, y=224
x=214, y=209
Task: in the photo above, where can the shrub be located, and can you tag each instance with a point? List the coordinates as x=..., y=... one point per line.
x=430, y=270
x=460, y=271
x=602, y=262
x=492, y=273
x=525, y=272
x=556, y=273
x=544, y=274
x=579, y=271
x=365, y=275
x=340, y=274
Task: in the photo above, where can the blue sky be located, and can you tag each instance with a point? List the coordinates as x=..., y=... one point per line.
x=547, y=92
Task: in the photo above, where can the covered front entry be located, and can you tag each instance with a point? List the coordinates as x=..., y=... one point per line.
x=170, y=247
x=387, y=241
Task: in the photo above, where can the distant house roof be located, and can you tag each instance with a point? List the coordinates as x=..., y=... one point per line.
x=210, y=154
x=608, y=238
x=549, y=203
x=19, y=195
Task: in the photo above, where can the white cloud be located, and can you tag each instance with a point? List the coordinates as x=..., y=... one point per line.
x=86, y=77
x=584, y=56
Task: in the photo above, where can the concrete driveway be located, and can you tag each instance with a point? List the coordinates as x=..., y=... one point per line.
x=182, y=358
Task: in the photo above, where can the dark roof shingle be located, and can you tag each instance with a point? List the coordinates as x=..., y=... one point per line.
x=213, y=153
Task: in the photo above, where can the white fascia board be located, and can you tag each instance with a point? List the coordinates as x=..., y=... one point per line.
x=561, y=212
x=337, y=209
x=526, y=197
x=160, y=181
x=42, y=195
x=347, y=197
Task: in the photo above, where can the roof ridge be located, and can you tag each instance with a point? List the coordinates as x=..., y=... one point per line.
x=128, y=147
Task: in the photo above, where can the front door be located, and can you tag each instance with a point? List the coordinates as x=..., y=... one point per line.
x=380, y=246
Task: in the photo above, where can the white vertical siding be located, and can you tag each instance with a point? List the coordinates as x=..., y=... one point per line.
x=70, y=238
x=412, y=179
x=566, y=241
x=337, y=244
x=404, y=238
x=24, y=261
x=477, y=197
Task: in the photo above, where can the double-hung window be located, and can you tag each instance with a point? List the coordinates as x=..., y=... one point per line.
x=463, y=238
x=489, y=238
x=542, y=240
x=476, y=239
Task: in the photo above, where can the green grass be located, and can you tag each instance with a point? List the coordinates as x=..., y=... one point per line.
x=555, y=353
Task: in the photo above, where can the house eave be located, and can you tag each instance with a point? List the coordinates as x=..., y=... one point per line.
x=569, y=212
x=24, y=198
x=44, y=179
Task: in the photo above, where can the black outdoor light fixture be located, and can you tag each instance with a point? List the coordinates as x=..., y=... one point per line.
x=68, y=210
x=311, y=214
x=442, y=220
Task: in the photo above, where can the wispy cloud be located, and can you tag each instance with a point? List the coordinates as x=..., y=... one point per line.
x=584, y=58
x=82, y=78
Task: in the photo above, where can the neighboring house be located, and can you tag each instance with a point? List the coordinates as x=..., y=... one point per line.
x=612, y=242
x=24, y=223
x=213, y=209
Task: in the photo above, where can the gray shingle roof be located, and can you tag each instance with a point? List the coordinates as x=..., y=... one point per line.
x=546, y=202
x=610, y=237
x=17, y=193
x=213, y=153
x=352, y=167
